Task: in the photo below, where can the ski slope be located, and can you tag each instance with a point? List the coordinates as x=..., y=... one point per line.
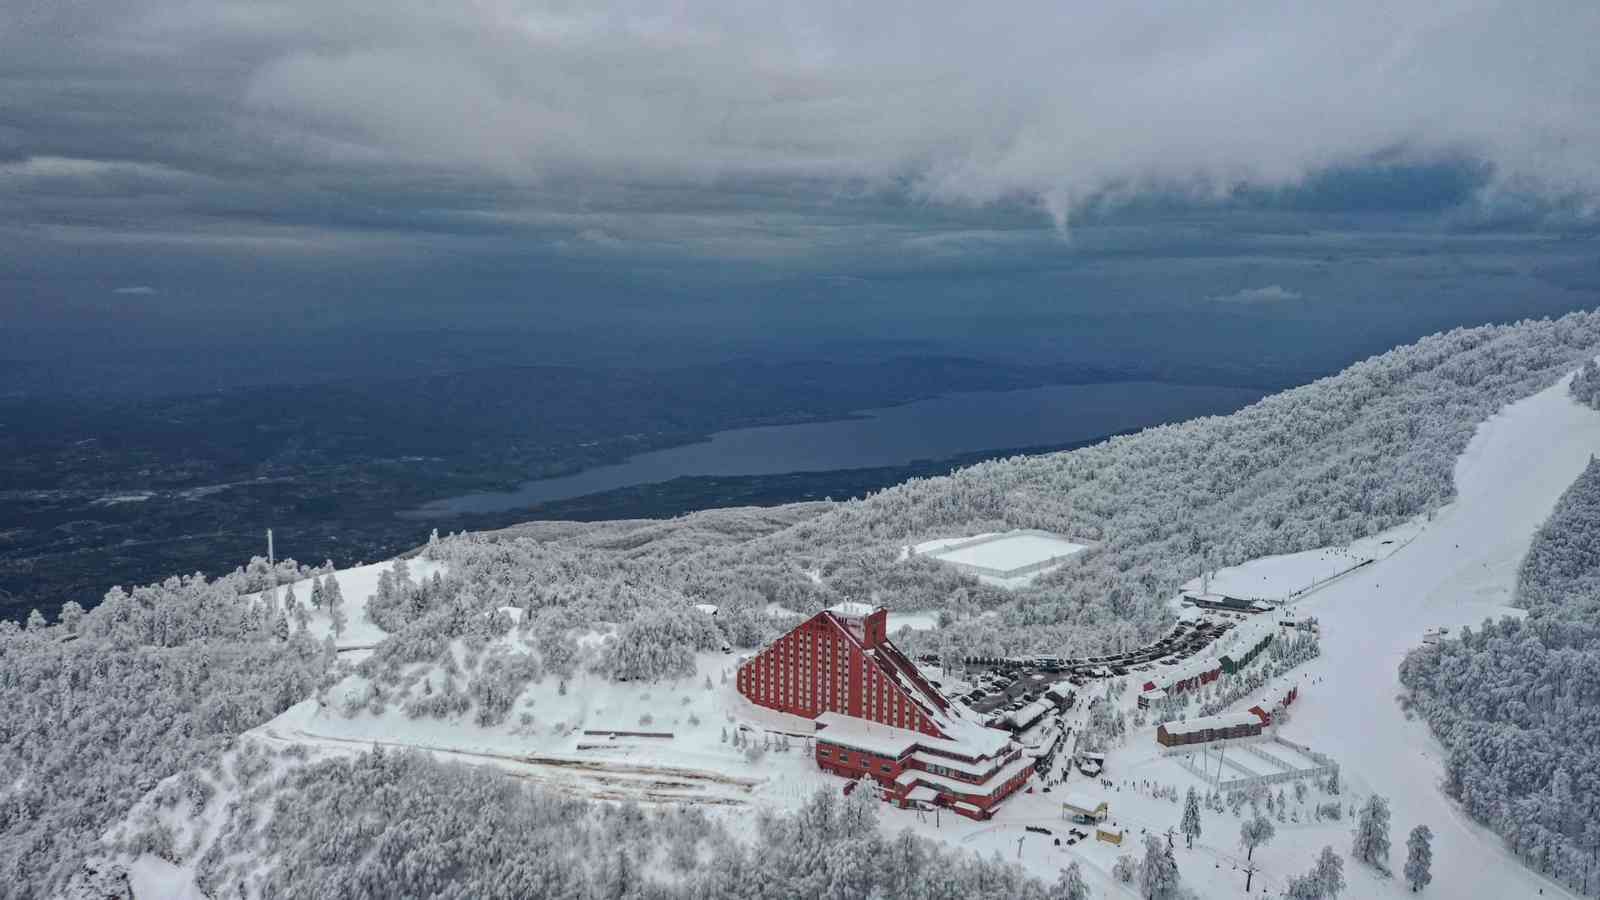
x=1459, y=570
x=1291, y=575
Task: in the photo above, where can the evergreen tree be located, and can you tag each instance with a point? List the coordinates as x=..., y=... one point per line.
x=1070, y=886
x=1419, y=857
x=36, y=621
x=1371, y=844
x=316, y=593
x=1158, y=873
x=71, y=616
x=332, y=596
x=1329, y=872
x=1190, y=826
x=290, y=601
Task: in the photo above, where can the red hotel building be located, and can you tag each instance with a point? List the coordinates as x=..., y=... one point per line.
x=876, y=715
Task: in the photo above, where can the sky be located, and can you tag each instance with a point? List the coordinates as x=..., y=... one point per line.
x=739, y=172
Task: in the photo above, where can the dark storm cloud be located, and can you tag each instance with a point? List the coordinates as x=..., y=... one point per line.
x=769, y=130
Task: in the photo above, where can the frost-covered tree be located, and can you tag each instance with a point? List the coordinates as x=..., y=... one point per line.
x=1329, y=872
x=1070, y=886
x=1585, y=385
x=161, y=680
x=71, y=616
x=336, y=618
x=316, y=593
x=1419, y=858
x=332, y=594
x=1324, y=882
x=1190, y=825
x=1371, y=841
x=1158, y=871
x=1254, y=832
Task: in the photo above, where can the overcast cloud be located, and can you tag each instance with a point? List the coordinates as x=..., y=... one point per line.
x=705, y=166
x=1062, y=105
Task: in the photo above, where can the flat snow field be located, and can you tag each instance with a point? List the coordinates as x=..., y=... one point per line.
x=1012, y=550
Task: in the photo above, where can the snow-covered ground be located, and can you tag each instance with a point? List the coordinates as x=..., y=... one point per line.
x=1293, y=575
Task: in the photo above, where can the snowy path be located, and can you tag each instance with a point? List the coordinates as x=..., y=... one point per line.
x=598, y=778
x=1461, y=569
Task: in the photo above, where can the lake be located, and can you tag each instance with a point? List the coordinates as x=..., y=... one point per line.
x=927, y=429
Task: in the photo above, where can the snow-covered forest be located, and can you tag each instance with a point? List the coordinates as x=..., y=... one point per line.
x=1515, y=701
x=400, y=824
x=97, y=708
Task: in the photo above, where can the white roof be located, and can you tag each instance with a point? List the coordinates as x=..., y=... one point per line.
x=1051, y=736
x=922, y=794
x=1205, y=723
x=851, y=608
x=969, y=738
x=860, y=734
x=709, y=609
x=1274, y=698
x=1030, y=713
x=1192, y=667
x=1083, y=801
x=1004, y=774
x=973, y=741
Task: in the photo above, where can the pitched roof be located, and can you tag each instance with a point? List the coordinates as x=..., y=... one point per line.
x=1206, y=723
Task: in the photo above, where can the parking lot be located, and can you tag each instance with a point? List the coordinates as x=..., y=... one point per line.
x=1002, y=685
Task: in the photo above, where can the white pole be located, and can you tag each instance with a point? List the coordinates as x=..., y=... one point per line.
x=271, y=560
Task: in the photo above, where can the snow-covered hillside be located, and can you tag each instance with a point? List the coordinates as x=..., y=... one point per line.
x=584, y=662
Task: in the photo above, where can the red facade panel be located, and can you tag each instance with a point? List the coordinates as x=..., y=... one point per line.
x=824, y=666
x=819, y=667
